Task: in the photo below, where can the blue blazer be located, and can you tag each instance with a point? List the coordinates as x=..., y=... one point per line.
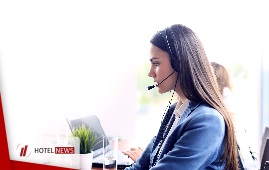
x=197, y=142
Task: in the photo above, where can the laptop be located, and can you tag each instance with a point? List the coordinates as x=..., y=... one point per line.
x=94, y=123
x=264, y=152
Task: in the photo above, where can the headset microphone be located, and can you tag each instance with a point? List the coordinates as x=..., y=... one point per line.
x=151, y=87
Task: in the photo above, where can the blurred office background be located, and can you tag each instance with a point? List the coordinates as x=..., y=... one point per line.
x=70, y=59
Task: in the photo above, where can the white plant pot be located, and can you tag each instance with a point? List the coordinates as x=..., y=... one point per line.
x=86, y=161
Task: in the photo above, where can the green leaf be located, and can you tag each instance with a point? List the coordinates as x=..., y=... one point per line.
x=87, y=138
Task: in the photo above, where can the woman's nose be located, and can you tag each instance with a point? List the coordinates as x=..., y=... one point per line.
x=151, y=73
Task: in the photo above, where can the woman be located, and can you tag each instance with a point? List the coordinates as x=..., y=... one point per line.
x=223, y=80
x=196, y=132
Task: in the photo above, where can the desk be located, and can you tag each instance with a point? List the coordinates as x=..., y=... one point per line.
x=123, y=145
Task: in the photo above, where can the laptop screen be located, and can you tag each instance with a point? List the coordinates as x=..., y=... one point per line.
x=265, y=157
x=264, y=152
x=264, y=137
x=94, y=123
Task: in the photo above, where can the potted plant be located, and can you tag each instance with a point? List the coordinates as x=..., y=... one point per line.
x=87, y=138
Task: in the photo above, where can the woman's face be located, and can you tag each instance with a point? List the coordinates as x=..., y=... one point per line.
x=160, y=69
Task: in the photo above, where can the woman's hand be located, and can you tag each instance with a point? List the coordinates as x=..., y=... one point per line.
x=134, y=153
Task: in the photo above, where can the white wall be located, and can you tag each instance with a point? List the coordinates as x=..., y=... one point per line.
x=65, y=59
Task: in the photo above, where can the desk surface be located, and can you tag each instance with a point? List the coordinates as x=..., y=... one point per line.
x=123, y=145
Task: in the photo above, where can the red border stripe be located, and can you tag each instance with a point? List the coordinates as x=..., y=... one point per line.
x=4, y=154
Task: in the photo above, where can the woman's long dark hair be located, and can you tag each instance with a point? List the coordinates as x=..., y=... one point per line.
x=198, y=82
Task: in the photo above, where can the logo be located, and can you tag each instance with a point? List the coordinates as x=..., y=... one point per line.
x=23, y=150
x=26, y=152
